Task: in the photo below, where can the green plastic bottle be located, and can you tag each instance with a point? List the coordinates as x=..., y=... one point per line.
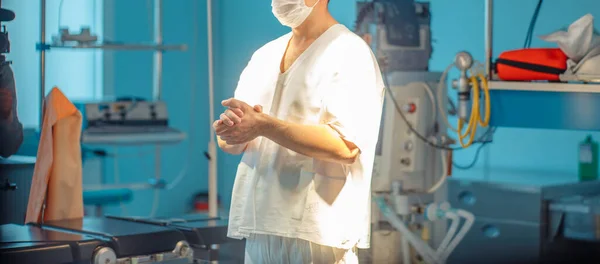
x=588, y=160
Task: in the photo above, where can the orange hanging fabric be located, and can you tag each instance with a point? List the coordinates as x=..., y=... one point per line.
x=57, y=177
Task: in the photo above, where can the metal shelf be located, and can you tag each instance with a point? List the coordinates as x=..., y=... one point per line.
x=545, y=87
x=571, y=105
x=132, y=138
x=119, y=46
x=157, y=47
x=151, y=184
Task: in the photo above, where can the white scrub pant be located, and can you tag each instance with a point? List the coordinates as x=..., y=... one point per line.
x=268, y=249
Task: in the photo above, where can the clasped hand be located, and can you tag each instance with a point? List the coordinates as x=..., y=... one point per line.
x=240, y=123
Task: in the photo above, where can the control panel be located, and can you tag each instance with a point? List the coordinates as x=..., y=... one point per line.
x=406, y=152
x=124, y=113
x=401, y=148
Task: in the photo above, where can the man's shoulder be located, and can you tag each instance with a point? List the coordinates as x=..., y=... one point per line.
x=348, y=43
x=277, y=43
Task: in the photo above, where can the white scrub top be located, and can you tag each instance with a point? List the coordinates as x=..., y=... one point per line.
x=335, y=82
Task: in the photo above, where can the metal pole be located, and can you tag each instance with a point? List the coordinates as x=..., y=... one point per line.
x=212, y=146
x=489, y=25
x=157, y=90
x=42, y=60
x=158, y=55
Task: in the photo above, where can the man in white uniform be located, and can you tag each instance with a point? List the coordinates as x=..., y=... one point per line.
x=305, y=115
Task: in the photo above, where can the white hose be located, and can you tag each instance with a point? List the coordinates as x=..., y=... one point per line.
x=180, y=177
x=451, y=232
x=442, y=179
x=405, y=251
x=470, y=219
x=420, y=246
x=442, y=93
x=433, y=103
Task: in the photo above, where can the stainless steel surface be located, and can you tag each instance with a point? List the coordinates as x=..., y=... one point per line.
x=183, y=249
x=504, y=202
x=127, y=123
x=569, y=189
x=110, y=46
x=493, y=241
x=157, y=92
x=131, y=186
x=105, y=255
x=42, y=60
x=212, y=145
x=578, y=216
x=515, y=217
x=545, y=87
x=158, y=55
x=124, y=113
x=489, y=33
x=512, y=201
x=167, y=258
x=132, y=138
x=463, y=60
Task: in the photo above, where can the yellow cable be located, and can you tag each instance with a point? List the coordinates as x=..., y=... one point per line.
x=486, y=93
x=475, y=116
x=469, y=130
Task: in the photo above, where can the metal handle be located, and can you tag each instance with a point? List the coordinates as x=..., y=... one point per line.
x=9, y=186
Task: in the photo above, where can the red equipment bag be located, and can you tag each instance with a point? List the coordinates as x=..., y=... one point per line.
x=539, y=64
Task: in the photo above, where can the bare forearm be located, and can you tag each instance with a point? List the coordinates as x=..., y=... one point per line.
x=231, y=149
x=317, y=141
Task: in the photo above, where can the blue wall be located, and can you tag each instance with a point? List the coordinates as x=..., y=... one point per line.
x=184, y=91
x=243, y=26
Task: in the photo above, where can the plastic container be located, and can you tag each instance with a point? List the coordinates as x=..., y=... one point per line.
x=588, y=160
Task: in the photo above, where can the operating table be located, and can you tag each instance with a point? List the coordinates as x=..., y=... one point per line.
x=112, y=240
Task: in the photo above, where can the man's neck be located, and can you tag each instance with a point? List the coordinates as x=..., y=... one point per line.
x=315, y=25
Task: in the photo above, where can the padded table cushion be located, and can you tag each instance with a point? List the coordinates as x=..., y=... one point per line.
x=199, y=229
x=125, y=237
x=31, y=244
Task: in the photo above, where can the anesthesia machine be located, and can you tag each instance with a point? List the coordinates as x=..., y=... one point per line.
x=410, y=212
x=418, y=218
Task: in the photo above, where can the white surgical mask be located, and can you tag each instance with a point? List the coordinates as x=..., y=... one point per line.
x=291, y=13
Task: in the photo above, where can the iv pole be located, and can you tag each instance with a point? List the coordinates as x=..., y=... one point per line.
x=212, y=146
